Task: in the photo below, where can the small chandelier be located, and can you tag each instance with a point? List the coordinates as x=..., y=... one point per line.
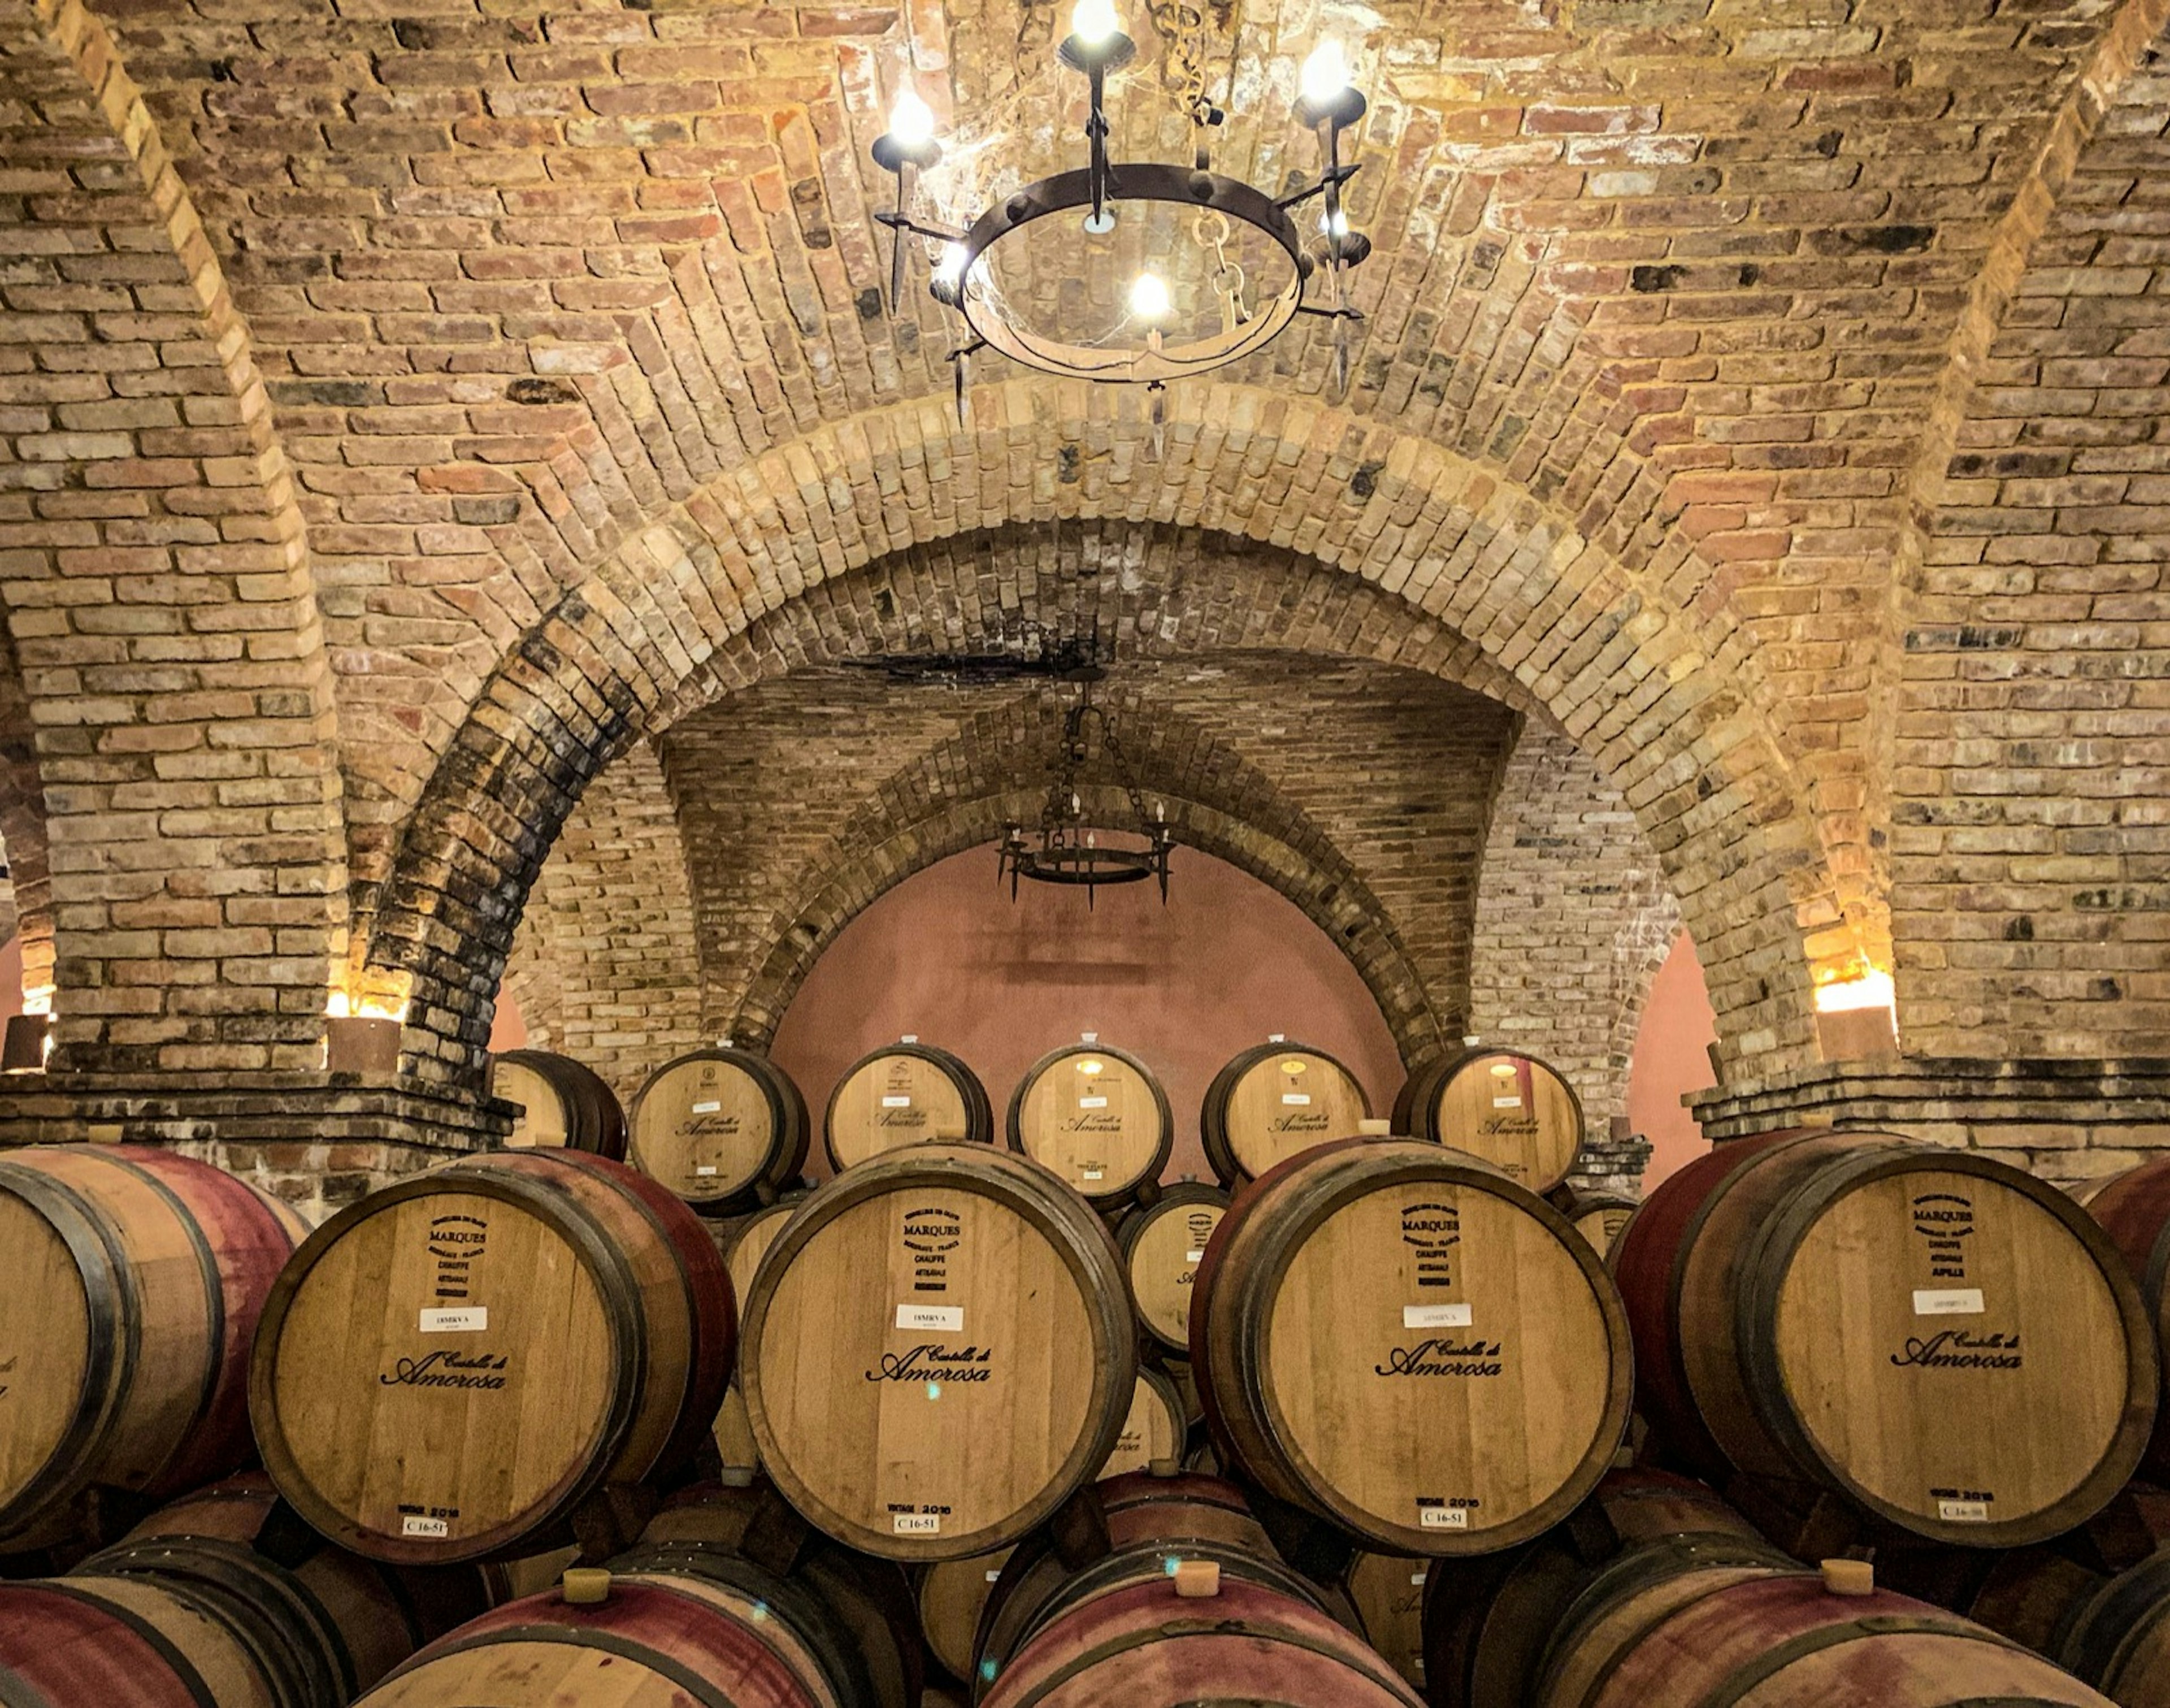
x=1263, y=270
x=1065, y=852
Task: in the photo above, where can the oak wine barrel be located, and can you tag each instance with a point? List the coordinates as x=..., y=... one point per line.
x=939, y=1351
x=723, y=1128
x=1387, y=1591
x=953, y=1593
x=1486, y=1621
x=1708, y=1623
x=904, y=1094
x=565, y=1104
x=748, y=1243
x=1514, y=1111
x=1949, y=1344
x=136, y=1280
x=658, y=1638
x=1598, y=1217
x=1096, y=1117
x=1402, y=1340
x=1273, y=1101
x=132, y=1642
x=1154, y=1429
x=2117, y=1637
x=2134, y=1209
x=448, y=1368
x=1163, y=1244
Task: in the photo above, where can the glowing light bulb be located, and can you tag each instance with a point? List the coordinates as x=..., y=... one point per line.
x=950, y=268
x=1149, y=299
x=1334, y=224
x=1094, y=21
x=911, y=121
x=1325, y=74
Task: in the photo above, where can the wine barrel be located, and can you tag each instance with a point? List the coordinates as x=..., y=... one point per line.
x=722, y=1128
x=2118, y=1637
x=1273, y=1101
x=1125, y=1630
x=1598, y=1217
x=136, y=1277
x=129, y=1642
x=1162, y=1245
x=1685, y=1622
x=1517, y=1113
x=750, y=1239
x=1404, y=1341
x=939, y=1351
x=1387, y=1591
x=448, y=1368
x=658, y=1638
x=1944, y=1340
x=953, y=1593
x=2134, y=1209
x=1486, y=1621
x=565, y=1105
x=1154, y=1429
x=904, y=1094
x=1096, y=1117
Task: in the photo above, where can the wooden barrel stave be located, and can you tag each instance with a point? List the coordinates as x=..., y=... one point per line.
x=1273, y=1101
x=1516, y=1111
x=2117, y=1636
x=1098, y=1116
x=1380, y=1230
x=1157, y=1242
x=723, y=1128
x=1154, y=1429
x=900, y=1096
x=952, y=1596
x=565, y=1104
x=2134, y=1209
x=1017, y=1325
x=65, y=1645
x=1598, y=1217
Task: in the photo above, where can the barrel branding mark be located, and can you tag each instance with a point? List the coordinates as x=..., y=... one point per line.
x=457, y=1243
x=1435, y=1356
x=927, y=1362
x=480, y=1370
x=1955, y=1349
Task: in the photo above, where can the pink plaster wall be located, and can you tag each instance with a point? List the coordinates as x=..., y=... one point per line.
x=1671, y=1058
x=947, y=955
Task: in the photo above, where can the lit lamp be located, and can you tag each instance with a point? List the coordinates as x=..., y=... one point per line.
x=908, y=142
x=1858, y=1018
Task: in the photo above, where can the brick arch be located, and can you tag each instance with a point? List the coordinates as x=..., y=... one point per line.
x=962, y=792
x=158, y=591
x=1447, y=568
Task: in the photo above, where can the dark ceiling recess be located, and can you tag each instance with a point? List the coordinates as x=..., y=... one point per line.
x=1072, y=658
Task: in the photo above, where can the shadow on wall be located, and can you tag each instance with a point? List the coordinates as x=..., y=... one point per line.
x=1672, y=1058
x=947, y=955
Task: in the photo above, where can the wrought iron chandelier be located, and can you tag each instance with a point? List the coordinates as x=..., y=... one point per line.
x=1264, y=268
x=1066, y=852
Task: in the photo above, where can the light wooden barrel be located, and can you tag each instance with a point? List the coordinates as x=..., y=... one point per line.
x=1944, y=1340
x=1096, y=1117
x=953, y=1593
x=448, y=1368
x=1154, y=1428
x=1486, y=1622
x=658, y=1639
x=902, y=1094
x=2118, y=1637
x=1273, y=1101
x=1405, y=1342
x=2134, y=1209
x=128, y=1642
x=938, y=1352
x=1163, y=1244
x=1598, y=1217
x=1516, y=1111
x=1387, y=1591
x=742, y=1253
x=1691, y=1623
x=722, y=1128
x=136, y=1280
x=565, y=1104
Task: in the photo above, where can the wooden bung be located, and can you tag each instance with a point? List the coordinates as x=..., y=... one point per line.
x=136, y=1279
x=722, y=1128
x=1162, y=1245
x=939, y=1351
x=1404, y=1341
x=1517, y=1113
x=904, y=1094
x=1273, y=1101
x=1950, y=1345
x=1096, y=1117
x=449, y=1367
x=1681, y=1622
x=565, y=1105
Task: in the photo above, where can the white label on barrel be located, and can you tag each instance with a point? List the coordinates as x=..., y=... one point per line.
x=896, y=1103
x=707, y=1108
x=704, y=1168
x=915, y=1524
x=1296, y=1097
x=412, y=1526
x=948, y=1318
x=1442, y=1517
x=1963, y=1511
x=1506, y=1103
x=994, y=1576
x=467, y=1320
x=1092, y=1103
x=1417, y=1577
x=1951, y=1301
x=1436, y=1316
x=1194, y=1257
x=1096, y=1173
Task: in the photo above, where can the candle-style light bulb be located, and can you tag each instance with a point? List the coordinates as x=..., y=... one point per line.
x=1149, y=299
x=1094, y=21
x=1325, y=74
x=912, y=120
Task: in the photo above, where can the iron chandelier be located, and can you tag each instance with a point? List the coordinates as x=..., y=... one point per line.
x=1265, y=269
x=1065, y=852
